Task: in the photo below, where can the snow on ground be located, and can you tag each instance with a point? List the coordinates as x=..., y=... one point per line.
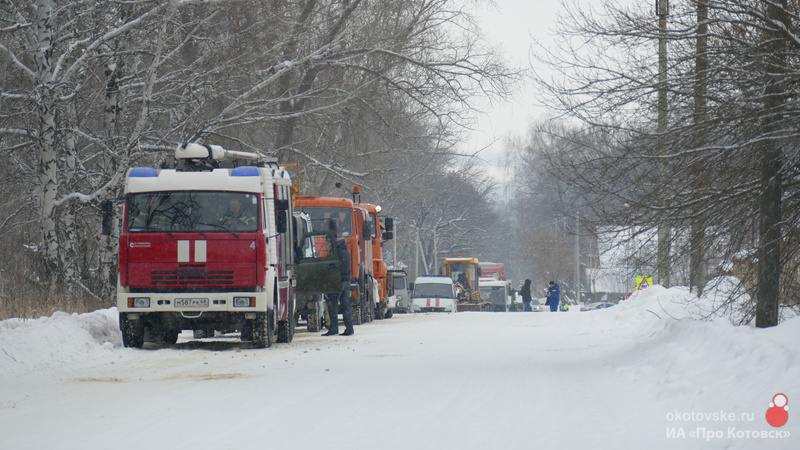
x=643, y=374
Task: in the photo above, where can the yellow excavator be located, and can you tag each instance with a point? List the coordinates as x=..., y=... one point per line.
x=465, y=273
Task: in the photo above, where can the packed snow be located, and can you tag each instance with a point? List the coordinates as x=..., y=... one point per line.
x=648, y=373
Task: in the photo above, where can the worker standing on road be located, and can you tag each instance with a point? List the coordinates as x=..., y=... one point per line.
x=525, y=292
x=553, y=296
x=344, y=294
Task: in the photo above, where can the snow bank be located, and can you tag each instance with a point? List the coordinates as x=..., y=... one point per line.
x=724, y=298
x=47, y=343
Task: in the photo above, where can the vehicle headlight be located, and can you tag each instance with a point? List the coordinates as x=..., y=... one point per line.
x=244, y=302
x=138, y=302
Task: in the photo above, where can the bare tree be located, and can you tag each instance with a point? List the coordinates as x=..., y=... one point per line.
x=347, y=88
x=727, y=144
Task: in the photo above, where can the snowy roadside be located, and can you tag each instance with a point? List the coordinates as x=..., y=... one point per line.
x=643, y=373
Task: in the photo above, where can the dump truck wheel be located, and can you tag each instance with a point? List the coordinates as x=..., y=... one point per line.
x=358, y=314
x=314, y=319
x=380, y=311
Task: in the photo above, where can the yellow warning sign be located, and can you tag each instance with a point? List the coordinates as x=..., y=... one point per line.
x=643, y=282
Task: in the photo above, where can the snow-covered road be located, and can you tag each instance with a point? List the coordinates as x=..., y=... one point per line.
x=619, y=378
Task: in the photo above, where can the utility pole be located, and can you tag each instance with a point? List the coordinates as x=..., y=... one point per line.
x=394, y=254
x=435, y=252
x=577, y=258
x=664, y=231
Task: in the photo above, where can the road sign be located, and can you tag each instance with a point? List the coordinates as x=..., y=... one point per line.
x=643, y=282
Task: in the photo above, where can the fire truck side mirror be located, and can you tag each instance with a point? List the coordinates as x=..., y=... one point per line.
x=281, y=205
x=107, y=208
x=281, y=222
x=388, y=224
x=388, y=235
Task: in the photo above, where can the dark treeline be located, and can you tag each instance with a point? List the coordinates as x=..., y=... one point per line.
x=374, y=93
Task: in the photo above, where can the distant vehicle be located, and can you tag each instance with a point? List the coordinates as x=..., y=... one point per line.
x=493, y=270
x=497, y=292
x=596, y=305
x=381, y=232
x=465, y=273
x=434, y=293
x=397, y=287
x=538, y=305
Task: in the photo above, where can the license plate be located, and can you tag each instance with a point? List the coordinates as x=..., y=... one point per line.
x=191, y=302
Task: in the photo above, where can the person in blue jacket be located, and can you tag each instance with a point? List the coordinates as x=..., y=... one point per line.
x=553, y=296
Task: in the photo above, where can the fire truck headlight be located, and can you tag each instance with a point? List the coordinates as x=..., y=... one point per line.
x=244, y=302
x=138, y=302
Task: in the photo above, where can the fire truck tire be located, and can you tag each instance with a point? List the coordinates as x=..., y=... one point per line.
x=132, y=332
x=171, y=336
x=247, y=333
x=286, y=329
x=263, y=330
x=389, y=313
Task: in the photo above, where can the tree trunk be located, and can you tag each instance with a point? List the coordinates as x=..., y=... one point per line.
x=697, y=265
x=664, y=230
x=47, y=152
x=770, y=149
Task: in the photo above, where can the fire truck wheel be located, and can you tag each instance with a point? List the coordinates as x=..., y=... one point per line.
x=132, y=332
x=171, y=336
x=286, y=329
x=263, y=330
x=389, y=313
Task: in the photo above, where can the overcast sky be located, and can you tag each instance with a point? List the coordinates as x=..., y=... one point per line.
x=512, y=26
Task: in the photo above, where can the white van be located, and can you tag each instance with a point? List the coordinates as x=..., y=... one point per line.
x=397, y=287
x=433, y=293
x=496, y=291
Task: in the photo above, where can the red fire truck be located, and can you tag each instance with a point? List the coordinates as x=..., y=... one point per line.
x=208, y=244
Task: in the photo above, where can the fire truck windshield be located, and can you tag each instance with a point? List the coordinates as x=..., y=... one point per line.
x=192, y=211
x=321, y=216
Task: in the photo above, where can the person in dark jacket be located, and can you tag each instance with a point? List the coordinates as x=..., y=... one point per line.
x=343, y=296
x=525, y=292
x=553, y=296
